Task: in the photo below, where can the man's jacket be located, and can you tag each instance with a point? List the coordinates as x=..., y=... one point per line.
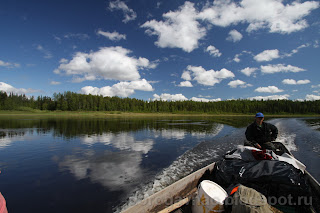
x=266, y=133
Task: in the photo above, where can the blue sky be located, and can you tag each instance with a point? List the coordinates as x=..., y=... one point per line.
x=173, y=50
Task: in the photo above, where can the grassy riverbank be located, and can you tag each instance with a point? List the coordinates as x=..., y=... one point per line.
x=4, y=113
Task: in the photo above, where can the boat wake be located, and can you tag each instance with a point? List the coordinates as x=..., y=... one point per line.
x=285, y=136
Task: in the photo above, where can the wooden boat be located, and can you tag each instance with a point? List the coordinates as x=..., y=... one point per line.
x=176, y=196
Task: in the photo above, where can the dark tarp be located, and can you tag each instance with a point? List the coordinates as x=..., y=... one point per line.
x=271, y=178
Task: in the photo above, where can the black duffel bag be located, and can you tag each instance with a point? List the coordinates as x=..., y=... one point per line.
x=271, y=178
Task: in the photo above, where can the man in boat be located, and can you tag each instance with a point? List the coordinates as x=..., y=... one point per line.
x=260, y=134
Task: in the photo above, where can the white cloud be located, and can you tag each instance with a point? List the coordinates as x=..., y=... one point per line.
x=107, y=63
x=122, y=89
x=210, y=77
x=312, y=97
x=128, y=13
x=55, y=83
x=234, y=36
x=280, y=68
x=180, y=97
x=236, y=83
x=186, y=76
x=248, y=70
x=8, y=64
x=114, y=36
x=204, y=96
x=169, y=97
x=294, y=51
x=10, y=89
x=63, y=61
x=267, y=55
x=179, y=30
x=80, y=36
x=294, y=82
x=271, y=97
x=182, y=28
x=236, y=57
x=47, y=53
x=185, y=84
x=262, y=14
x=269, y=89
x=205, y=99
x=213, y=51
x=315, y=86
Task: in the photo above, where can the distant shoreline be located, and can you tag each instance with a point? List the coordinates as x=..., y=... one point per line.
x=4, y=113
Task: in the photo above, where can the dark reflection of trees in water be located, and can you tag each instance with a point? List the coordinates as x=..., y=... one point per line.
x=11, y=134
x=74, y=127
x=314, y=123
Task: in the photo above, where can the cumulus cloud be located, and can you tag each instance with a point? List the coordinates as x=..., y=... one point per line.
x=315, y=86
x=271, y=97
x=185, y=84
x=269, y=69
x=237, y=56
x=81, y=36
x=294, y=82
x=234, y=36
x=122, y=89
x=47, y=53
x=264, y=14
x=55, y=82
x=114, y=36
x=128, y=13
x=10, y=89
x=169, y=97
x=294, y=51
x=8, y=64
x=248, y=70
x=267, y=55
x=180, y=29
x=186, y=76
x=312, y=97
x=210, y=77
x=180, y=97
x=107, y=63
x=205, y=99
x=269, y=89
x=213, y=51
x=236, y=83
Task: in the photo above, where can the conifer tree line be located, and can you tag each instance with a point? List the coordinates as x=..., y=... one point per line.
x=70, y=101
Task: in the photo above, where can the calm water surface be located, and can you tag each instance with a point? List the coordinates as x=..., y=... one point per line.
x=106, y=165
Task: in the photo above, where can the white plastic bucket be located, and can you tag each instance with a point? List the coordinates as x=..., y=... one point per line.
x=210, y=198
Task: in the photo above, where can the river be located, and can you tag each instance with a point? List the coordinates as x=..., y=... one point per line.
x=108, y=164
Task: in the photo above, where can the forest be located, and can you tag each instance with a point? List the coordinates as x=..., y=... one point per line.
x=70, y=101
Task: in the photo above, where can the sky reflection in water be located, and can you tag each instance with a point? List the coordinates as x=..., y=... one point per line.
x=59, y=155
